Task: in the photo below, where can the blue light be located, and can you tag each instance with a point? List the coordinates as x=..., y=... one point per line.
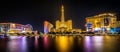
x=89, y=25
x=45, y=30
x=113, y=30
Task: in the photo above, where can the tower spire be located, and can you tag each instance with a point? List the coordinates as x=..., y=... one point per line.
x=62, y=14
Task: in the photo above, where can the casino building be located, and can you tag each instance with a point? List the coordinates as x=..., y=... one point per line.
x=62, y=25
x=47, y=27
x=101, y=23
x=15, y=28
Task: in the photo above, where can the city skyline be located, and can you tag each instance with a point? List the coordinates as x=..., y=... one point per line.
x=36, y=12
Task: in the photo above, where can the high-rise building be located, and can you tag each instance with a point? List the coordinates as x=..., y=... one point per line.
x=62, y=25
x=47, y=27
x=101, y=23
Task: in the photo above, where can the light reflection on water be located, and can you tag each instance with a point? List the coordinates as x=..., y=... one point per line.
x=64, y=43
x=36, y=42
x=93, y=43
x=88, y=44
x=98, y=42
x=46, y=42
x=17, y=44
x=61, y=44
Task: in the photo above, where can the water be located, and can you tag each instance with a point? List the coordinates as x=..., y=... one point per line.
x=60, y=44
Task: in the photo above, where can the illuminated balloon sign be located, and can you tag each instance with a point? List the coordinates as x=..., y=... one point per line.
x=89, y=25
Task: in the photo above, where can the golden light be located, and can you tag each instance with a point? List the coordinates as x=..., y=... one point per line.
x=13, y=25
x=62, y=43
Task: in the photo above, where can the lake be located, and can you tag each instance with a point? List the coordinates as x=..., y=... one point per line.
x=60, y=44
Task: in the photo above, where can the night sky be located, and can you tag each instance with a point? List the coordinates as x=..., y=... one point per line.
x=35, y=12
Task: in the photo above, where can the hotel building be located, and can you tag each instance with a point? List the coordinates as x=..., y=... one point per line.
x=47, y=27
x=62, y=25
x=15, y=28
x=101, y=23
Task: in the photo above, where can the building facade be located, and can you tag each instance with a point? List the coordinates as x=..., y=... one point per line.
x=116, y=29
x=15, y=28
x=47, y=27
x=101, y=23
x=62, y=25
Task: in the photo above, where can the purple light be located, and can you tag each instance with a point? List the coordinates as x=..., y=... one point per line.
x=88, y=43
x=17, y=44
x=36, y=42
x=46, y=42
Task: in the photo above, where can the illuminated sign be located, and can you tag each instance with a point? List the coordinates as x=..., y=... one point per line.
x=89, y=25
